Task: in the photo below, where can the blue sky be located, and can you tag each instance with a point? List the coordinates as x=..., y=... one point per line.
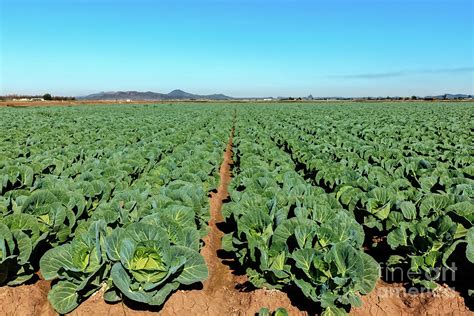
x=238, y=47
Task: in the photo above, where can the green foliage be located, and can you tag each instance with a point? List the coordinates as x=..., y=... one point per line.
x=404, y=173
x=148, y=267
x=89, y=189
x=119, y=196
x=80, y=266
x=289, y=234
x=404, y=178
x=264, y=311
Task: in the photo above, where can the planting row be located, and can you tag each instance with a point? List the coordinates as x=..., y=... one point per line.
x=289, y=234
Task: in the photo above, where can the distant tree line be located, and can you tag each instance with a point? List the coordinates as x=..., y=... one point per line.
x=388, y=98
x=46, y=97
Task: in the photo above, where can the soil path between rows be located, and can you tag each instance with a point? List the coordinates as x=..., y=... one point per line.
x=220, y=277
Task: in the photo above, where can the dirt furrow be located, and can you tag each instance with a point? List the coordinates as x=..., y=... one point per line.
x=220, y=277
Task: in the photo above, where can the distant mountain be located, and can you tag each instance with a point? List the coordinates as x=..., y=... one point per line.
x=152, y=96
x=182, y=95
x=452, y=96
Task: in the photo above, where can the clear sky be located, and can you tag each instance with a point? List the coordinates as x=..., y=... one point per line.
x=238, y=47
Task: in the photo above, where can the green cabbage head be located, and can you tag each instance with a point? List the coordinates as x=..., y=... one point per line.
x=148, y=267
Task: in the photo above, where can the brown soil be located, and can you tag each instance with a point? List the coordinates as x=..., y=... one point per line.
x=393, y=299
x=28, y=299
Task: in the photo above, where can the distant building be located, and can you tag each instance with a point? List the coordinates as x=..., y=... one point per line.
x=28, y=99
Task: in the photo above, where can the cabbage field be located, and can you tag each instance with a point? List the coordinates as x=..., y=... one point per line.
x=324, y=198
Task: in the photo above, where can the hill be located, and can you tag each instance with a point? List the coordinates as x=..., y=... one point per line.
x=149, y=95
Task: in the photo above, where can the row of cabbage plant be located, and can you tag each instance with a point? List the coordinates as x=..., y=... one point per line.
x=405, y=173
x=289, y=234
